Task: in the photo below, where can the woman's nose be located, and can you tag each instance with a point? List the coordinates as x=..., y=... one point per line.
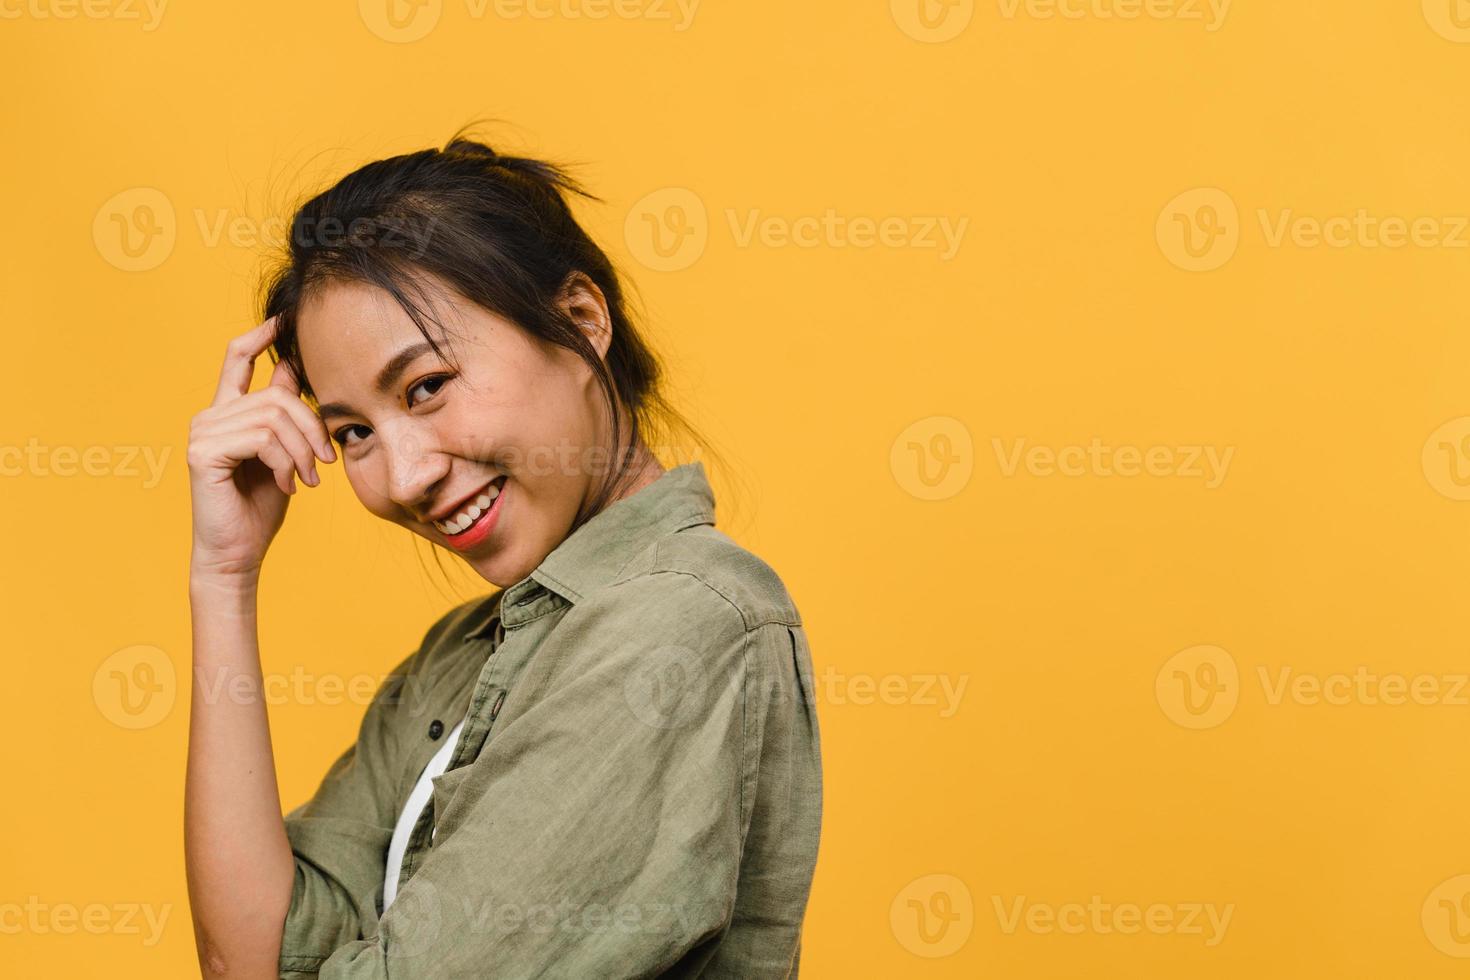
x=414, y=468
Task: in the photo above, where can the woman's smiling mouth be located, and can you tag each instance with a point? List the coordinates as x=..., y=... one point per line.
x=474, y=521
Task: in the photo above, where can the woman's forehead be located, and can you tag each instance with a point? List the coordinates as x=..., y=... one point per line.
x=351, y=314
x=348, y=331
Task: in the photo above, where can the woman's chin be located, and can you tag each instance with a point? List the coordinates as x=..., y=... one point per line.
x=501, y=566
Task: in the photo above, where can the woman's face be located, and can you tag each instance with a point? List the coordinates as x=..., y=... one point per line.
x=493, y=460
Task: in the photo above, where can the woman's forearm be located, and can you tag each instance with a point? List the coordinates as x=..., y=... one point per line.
x=239, y=861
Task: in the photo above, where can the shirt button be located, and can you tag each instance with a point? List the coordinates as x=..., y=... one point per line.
x=436, y=728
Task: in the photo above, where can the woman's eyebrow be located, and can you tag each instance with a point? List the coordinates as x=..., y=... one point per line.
x=387, y=377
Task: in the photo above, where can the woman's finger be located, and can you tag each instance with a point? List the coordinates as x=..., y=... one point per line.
x=274, y=455
x=276, y=419
x=306, y=420
x=229, y=449
x=239, y=363
x=281, y=377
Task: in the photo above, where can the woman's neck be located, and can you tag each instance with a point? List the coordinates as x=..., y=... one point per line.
x=647, y=469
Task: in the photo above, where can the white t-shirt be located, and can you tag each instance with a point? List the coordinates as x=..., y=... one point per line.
x=423, y=790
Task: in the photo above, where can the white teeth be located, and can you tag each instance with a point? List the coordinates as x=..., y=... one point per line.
x=469, y=515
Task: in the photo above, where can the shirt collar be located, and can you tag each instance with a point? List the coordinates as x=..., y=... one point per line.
x=594, y=553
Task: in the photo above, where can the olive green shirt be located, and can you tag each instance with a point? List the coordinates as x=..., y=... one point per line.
x=637, y=790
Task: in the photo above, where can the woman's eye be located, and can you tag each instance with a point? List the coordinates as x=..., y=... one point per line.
x=340, y=436
x=431, y=385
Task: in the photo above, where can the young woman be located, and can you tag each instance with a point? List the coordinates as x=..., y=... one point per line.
x=608, y=767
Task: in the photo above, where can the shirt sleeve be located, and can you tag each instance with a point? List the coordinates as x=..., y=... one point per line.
x=599, y=832
x=340, y=836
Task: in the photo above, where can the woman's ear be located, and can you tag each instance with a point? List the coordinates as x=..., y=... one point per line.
x=583, y=301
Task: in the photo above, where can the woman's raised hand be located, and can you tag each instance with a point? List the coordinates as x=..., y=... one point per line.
x=245, y=450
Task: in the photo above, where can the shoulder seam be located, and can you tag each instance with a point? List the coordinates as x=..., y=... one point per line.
x=744, y=623
x=749, y=621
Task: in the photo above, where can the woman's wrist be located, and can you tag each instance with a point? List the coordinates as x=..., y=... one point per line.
x=216, y=580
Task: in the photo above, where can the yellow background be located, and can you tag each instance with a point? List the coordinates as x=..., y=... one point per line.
x=848, y=385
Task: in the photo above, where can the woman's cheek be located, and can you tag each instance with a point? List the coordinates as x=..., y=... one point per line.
x=369, y=491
